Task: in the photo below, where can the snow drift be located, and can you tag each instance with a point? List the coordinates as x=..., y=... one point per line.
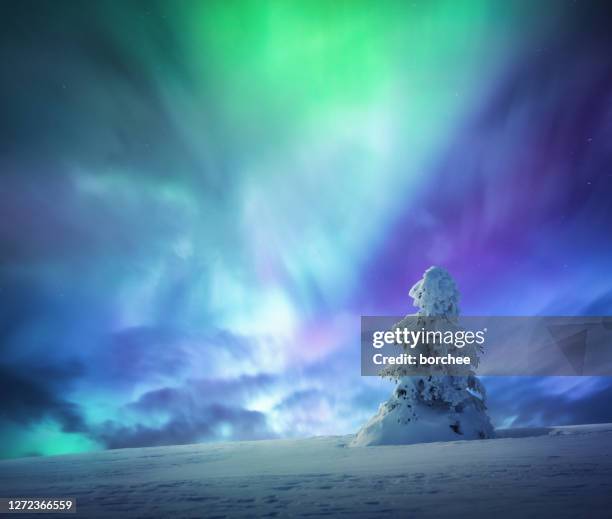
x=546, y=472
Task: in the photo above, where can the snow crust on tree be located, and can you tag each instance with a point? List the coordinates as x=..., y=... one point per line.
x=435, y=407
x=436, y=294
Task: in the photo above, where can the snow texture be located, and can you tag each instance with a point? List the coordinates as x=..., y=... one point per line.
x=436, y=293
x=435, y=407
x=559, y=472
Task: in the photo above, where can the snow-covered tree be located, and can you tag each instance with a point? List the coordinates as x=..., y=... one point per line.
x=437, y=406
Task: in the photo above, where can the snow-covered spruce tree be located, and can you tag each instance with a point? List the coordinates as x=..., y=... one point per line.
x=437, y=406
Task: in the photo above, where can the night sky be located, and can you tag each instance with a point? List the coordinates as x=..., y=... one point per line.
x=198, y=200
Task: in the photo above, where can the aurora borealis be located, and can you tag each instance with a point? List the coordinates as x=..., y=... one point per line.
x=200, y=199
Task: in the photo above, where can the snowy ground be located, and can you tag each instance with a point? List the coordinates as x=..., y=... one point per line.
x=558, y=472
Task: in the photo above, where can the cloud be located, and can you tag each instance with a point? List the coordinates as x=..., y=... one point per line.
x=533, y=402
x=306, y=412
x=214, y=421
x=200, y=393
x=159, y=352
x=139, y=352
x=30, y=398
x=198, y=410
